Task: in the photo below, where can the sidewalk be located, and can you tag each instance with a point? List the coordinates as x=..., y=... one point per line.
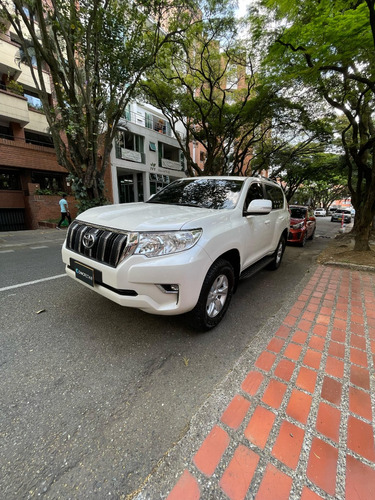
x=296, y=421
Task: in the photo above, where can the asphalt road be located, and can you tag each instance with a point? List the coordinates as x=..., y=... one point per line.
x=92, y=394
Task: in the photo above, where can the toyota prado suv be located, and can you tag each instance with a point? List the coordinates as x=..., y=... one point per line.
x=185, y=249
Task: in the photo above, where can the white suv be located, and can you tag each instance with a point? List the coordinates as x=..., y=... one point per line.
x=184, y=250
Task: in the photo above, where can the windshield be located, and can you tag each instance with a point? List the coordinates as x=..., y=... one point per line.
x=202, y=193
x=297, y=212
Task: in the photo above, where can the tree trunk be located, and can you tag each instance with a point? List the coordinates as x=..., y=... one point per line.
x=362, y=234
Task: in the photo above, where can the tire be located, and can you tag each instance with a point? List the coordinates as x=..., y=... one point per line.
x=278, y=255
x=303, y=242
x=311, y=237
x=215, y=296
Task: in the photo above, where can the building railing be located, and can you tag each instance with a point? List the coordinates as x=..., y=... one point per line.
x=128, y=154
x=26, y=141
x=170, y=164
x=149, y=121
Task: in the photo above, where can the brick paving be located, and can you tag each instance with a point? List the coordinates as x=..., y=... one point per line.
x=301, y=423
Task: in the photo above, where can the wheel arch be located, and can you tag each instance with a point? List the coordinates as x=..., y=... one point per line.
x=233, y=257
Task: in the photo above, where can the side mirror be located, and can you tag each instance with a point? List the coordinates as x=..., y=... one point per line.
x=259, y=207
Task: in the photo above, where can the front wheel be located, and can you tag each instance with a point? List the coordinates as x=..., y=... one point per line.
x=278, y=255
x=215, y=296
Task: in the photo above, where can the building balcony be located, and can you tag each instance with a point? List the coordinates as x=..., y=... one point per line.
x=127, y=154
x=37, y=121
x=14, y=108
x=149, y=121
x=170, y=164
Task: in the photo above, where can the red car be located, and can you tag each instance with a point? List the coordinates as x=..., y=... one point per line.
x=302, y=225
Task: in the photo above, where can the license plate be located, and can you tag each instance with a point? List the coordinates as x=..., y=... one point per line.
x=84, y=273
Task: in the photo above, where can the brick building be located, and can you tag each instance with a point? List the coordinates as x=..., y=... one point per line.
x=27, y=157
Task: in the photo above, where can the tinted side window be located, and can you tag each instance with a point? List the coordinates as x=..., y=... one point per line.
x=276, y=195
x=255, y=192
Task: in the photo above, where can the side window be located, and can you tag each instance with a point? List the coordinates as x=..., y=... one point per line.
x=255, y=192
x=276, y=195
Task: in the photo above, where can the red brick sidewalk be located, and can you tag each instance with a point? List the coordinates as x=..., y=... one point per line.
x=302, y=423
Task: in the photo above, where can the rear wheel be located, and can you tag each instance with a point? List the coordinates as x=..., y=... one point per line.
x=303, y=242
x=278, y=255
x=215, y=296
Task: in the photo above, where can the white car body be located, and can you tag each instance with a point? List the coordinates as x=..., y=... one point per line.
x=320, y=212
x=171, y=284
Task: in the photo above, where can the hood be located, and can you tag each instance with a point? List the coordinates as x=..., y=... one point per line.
x=145, y=216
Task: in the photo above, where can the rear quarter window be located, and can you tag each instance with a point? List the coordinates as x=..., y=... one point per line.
x=276, y=195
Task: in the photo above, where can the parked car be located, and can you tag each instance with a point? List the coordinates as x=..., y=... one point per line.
x=302, y=225
x=320, y=212
x=339, y=214
x=185, y=249
x=332, y=210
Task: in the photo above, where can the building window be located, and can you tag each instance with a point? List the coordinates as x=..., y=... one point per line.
x=10, y=180
x=127, y=113
x=38, y=139
x=157, y=124
x=52, y=182
x=152, y=146
x=140, y=186
x=169, y=152
x=6, y=133
x=33, y=100
x=157, y=182
x=202, y=156
x=130, y=141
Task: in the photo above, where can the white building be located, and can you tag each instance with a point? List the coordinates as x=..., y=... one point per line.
x=146, y=156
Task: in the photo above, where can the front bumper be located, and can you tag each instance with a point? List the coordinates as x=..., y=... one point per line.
x=136, y=281
x=339, y=219
x=296, y=235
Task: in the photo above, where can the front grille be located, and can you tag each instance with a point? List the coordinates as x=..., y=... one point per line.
x=107, y=246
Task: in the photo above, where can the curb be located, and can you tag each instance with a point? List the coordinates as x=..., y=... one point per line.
x=348, y=265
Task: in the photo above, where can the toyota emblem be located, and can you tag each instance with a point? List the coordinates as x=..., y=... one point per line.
x=88, y=240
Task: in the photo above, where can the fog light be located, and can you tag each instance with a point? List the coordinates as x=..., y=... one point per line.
x=172, y=288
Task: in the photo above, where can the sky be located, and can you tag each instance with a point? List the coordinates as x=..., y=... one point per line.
x=242, y=6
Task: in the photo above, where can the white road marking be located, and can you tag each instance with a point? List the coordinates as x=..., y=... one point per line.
x=31, y=282
x=6, y=251
x=37, y=248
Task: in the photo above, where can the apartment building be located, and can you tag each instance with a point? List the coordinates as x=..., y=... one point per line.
x=146, y=156
x=27, y=156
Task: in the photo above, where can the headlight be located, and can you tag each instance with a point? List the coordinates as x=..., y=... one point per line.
x=297, y=226
x=165, y=243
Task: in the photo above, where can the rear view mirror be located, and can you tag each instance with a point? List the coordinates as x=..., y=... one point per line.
x=259, y=207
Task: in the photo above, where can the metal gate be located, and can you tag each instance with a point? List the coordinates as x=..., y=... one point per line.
x=12, y=219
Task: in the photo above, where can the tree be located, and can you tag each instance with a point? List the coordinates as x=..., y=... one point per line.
x=329, y=47
x=96, y=52
x=204, y=80
x=326, y=183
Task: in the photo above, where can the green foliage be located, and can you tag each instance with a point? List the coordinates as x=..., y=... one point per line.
x=15, y=87
x=203, y=80
x=96, y=55
x=49, y=192
x=80, y=194
x=328, y=48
